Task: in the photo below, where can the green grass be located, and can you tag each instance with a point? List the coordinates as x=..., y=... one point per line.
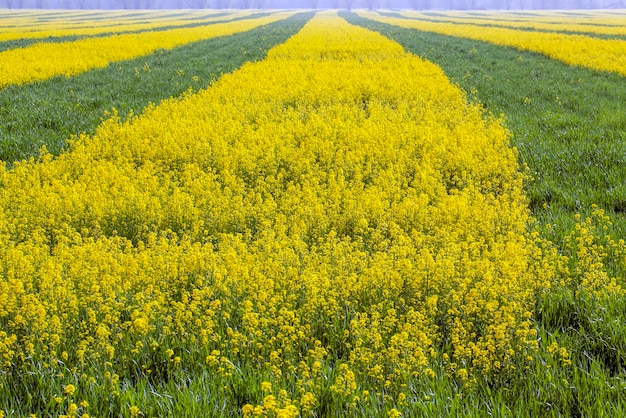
x=569, y=125
x=48, y=113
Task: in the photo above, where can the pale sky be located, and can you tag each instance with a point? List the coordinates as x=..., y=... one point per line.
x=380, y=4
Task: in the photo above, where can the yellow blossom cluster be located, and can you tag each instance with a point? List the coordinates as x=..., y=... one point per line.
x=280, y=406
x=59, y=26
x=332, y=218
x=45, y=60
x=585, y=51
x=591, y=253
x=543, y=22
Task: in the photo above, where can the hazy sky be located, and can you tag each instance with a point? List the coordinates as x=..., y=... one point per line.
x=411, y=4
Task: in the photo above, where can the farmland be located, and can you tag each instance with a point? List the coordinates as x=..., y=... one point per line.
x=312, y=214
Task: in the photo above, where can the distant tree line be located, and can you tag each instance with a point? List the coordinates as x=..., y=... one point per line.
x=314, y=4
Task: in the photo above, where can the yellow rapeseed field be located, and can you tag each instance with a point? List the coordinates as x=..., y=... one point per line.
x=59, y=27
x=336, y=211
x=543, y=22
x=75, y=18
x=585, y=51
x=45, y=60
x=334, y=225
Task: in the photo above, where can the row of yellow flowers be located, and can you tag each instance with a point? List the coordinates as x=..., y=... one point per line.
x=45, y=60
x=599, y=25
x=15, y=20
x=585, y=51
x=67, y=18
x=112, y=24
x=337, y=211
x=604, y=17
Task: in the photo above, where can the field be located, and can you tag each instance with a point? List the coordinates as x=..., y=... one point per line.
x=299, y=213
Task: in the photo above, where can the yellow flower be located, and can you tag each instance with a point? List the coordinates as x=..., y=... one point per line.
x=71, y=409
x=307, y=402
x=247, y=410
x=394, y=413
x=269, y=403
x=266, y=387
x=134, y=411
